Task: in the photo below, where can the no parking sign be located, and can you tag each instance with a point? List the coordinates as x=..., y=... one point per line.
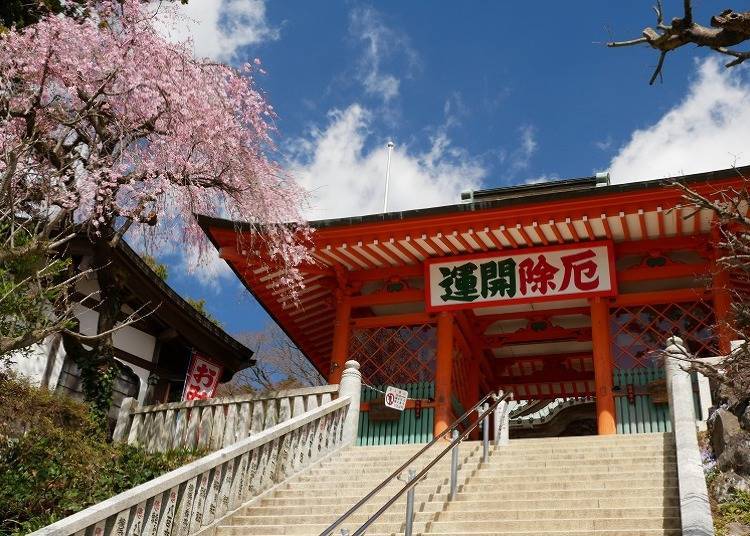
x=396, y=398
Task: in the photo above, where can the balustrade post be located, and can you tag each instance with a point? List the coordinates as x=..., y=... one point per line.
x=124, y=418
x=695, y=511
x=454, y=468
x=497, y=419
x=351, y=386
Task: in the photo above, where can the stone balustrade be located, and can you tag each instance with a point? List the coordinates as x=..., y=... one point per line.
x=215, y=423
x=195, y=497
x=548, y=412
x=695, y=509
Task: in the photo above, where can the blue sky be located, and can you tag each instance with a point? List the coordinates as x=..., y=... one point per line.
x=474, y=94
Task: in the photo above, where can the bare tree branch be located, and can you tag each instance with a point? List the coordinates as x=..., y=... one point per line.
x=280, y=364
x=130, y=320
x=728, y=28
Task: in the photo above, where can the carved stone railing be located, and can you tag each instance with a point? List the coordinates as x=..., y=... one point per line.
x=197, y=496
x=695, y=509
x=215, y=423
x=548, y=412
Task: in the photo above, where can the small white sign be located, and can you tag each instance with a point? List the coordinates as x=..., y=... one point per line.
x=396, y=398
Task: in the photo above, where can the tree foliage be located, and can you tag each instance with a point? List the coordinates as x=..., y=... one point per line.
x=159, y=268
x=108, y=129
x=200, y=306
x=31, y=285
x=20, y=13
x=54, y=461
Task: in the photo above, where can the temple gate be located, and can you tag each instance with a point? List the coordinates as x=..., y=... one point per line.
x=550, y=291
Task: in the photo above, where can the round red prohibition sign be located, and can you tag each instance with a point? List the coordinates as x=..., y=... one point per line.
x=390, y=398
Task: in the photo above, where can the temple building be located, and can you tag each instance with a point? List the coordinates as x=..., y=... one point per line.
x=555, y=291
x=153, y=354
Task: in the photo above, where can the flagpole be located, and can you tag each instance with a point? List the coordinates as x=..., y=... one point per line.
x=390, y=147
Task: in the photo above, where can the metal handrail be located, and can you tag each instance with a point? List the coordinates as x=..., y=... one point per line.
x=413, y=481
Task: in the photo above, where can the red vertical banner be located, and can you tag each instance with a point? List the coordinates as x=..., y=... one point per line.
x=202, y=378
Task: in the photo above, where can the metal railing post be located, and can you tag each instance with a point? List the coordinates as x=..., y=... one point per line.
x=486, y=435
x=454, y=468
x=410, y=505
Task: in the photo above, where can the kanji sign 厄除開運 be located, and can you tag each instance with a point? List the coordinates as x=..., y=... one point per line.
x=536, y=274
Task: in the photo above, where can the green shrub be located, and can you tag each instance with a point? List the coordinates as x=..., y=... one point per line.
x=735, y=510
x=54, y=462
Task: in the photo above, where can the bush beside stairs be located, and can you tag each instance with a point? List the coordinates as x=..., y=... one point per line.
x=622, y=485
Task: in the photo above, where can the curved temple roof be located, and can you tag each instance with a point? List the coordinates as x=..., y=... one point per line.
x=393, y=245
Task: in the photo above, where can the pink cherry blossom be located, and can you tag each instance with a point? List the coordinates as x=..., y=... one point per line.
x=114, y=123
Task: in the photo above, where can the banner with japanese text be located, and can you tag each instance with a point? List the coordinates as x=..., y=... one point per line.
x=202, y=378
x=536, y=274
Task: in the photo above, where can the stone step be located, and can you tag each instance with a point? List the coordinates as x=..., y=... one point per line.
x=526, y=443
x=533, y=532
x=521, y=454
x=543, y=443
x=638, y=500
x=351, y=493
x=466, y=527
x=558, y=485
x=395, y=514
x=586, y=473
x=389, y=465
x=566, y=523
x=659, y=436
x=313, y=529
x=507, y=468
x=358, y=455
x=499, y=459
x=334, y=508
x=590, y=492
x=559, y=513
x=592, y=453
x=516, y=482
x=337, y=507
x=494, y=471
x=584, y=486
x=349, y=497
x=365, y=485
x=585, y=447
x=597, y=532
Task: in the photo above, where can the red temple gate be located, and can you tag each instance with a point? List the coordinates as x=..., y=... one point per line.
x=560, y=290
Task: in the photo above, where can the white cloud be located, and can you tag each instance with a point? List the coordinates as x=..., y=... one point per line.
x=542, y=179
x=210, y=270
x=604, y=144
x=380, y=45
x=519, y=158
x=218, y=28
x=708, y=130
x=527, y=148
x=346, y=178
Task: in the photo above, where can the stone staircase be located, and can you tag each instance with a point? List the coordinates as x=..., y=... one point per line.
x=582, y=486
